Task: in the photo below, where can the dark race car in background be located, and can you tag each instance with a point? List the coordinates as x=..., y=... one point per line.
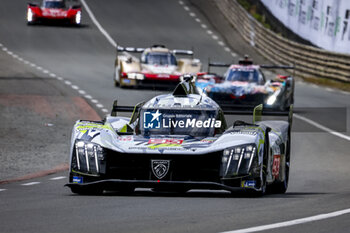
x=157, y=66
x=54, y=11
x=177, y=142
x=245, y=85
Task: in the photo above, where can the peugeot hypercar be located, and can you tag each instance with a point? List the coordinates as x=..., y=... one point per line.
x=178, y=142
x=157, y=67
x=56, y=11
x=244, y=85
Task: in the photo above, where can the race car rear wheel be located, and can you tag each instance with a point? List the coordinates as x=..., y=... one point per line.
x=281, y=187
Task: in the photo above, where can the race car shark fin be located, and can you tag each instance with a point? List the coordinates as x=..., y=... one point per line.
x=257, y=112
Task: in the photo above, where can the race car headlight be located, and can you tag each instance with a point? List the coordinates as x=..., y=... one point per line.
x=137, y=76
x=88, y=158
x=30, y=15
x=237, y=160
x=194, y=78
x=78, y=17
x=272, y=99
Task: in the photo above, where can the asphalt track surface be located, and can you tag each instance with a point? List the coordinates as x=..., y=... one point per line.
x=319, y=179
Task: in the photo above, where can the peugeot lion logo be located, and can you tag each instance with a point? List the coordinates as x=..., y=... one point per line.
x=160, y=168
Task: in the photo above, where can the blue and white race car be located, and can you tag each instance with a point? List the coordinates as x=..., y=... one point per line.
x=245, y=85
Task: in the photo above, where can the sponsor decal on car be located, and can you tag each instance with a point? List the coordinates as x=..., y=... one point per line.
x=248, y=183
x=164, y=142
x=125, y=138
x=155, y=120
x=276, y=166
x=77, y=179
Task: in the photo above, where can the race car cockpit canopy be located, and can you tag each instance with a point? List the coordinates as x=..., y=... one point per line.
x=58, y=4
x=182, y=113
x=244, y=74
x=159, y=58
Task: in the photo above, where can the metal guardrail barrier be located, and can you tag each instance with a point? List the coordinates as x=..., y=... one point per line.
x=310, y=62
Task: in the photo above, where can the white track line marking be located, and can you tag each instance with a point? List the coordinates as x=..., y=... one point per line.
x=68, y=83
x=2, y=190
x=204, y=26
x=215, y=37
x=75, y=87
x=221, y=43
x=227, y=49
x=105, y=110
x=94, y=101
x=31, y=183
x=88, y=96
x=186, y=8
x=181, y=2
x=292, y=222
x=52, y=75
x=58, y=178
x=197, y=20
x=98, y=25
x=209, y=32
x=324, y=128
x=82, y=92
x=192, y=14
x=99, y=106
x=345, y=92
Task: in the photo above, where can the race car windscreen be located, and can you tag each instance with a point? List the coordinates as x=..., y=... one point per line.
x=54, y=4
x=160, y=59
x=194, y=123
x=243, y=75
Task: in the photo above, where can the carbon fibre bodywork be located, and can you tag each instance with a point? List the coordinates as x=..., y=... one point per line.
x=151, y=150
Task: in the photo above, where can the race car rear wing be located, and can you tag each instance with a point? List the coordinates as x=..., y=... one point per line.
x=140, y=50
x=130, y=49
x=221, y=64
x=257, y=112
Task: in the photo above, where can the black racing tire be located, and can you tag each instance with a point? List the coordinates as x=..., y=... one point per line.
x=86, y=191
x=281, y=187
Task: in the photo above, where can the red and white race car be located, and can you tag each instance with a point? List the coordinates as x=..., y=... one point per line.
x=53, y=11
x=158, y=66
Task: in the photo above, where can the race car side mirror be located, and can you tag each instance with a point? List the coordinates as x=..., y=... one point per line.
x=76, y=7
x=33, y=4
